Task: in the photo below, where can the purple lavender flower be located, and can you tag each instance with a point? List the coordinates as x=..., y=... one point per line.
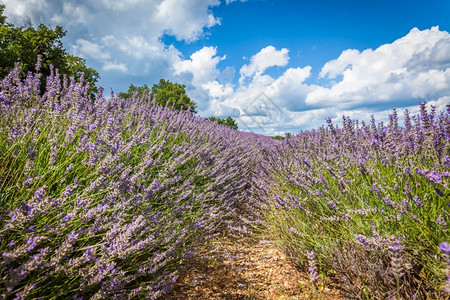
x=417, y=201
x=332, y=205
x=28, y=181
x=396, y=247
x=312, y=269
x=32, y=242
x=444, y=247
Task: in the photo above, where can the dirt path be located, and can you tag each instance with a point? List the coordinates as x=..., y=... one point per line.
x=243, y=269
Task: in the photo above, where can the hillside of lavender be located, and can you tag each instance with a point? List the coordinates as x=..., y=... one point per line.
x=102, y=197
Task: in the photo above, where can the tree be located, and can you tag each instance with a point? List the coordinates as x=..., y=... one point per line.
x=24, y=45
x=230, y=122
x=132, y=89
x=278, y=137
x=168, y=93
x=2, y=17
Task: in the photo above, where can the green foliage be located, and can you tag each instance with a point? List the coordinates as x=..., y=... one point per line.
x=26, y=44
x=227, y=122
x=278, y=137
x=173, y=94
x=132, y=89
x=167, y=94
x=367, y=213
x=2, y=17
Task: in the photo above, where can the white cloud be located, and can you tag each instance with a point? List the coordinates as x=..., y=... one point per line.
x=49, y=12
x=267, y=57
x=110, y=66
x=86, y=48
x=78, y=15
x=409, y=70
x=436, y=57
x=262, y=99
x=414, y=66
x=129, y=31
x=222, y=110
x=266, y=101
x=185, y=19
x=289, y=90
x=19, y=10
x=122, y=5
x=202, y=66
x=231, y=1
x=138, y=47
x=217, y=90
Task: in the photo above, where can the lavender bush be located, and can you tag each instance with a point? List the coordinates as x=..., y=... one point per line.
x=370, y=200
x=103, y=198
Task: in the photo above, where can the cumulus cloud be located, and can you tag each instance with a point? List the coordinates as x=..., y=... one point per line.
x=436, y=57
x=49, y=12
x=219, y=109
x=78, y=15
x=266, y=101
x=256, y=102
x=202, y=65
x=412, y=67
x=130, y=31
x=289, y=90
x=19, y=10
x=111, y=66
x=267, y=57
x=85, y=48
x=185, y=19
x=138, y=47
x=231, y=1
x=217, y=90
x=122, y=5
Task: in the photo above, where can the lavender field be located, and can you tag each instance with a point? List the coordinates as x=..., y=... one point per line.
x=105, y=197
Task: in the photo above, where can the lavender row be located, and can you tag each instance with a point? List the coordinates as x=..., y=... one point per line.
x=367, y=203
x=103, y=198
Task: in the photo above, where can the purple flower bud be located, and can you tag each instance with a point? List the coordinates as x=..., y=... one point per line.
x=28, y=181
x=312, y=269
x=417, y=201
x=444, y=247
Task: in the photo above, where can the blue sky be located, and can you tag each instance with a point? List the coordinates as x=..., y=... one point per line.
x=275, y=66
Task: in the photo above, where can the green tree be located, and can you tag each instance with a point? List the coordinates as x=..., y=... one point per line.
x=230, y=122
x=2, y=17
x=132, y=89
x=168, y=93
x=25, y=44
x=278, y=137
